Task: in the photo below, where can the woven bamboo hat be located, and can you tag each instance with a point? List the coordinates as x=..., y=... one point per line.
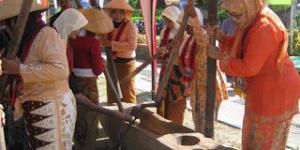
x=98, y=21
x=119, y=4
x=11, y=8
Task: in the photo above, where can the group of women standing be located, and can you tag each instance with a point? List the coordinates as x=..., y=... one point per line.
x=52, y=61
x=256, y=56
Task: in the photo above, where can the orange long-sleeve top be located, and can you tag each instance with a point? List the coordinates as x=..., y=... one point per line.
x=271, y=94
x=125, y=47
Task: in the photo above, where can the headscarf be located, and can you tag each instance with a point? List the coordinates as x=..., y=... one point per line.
x=171, y=2
x=253, y=8
x=70, y=20
x=250, y=8
x=172, y=13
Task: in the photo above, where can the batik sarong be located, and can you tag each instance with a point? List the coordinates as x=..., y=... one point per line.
x=50, y=123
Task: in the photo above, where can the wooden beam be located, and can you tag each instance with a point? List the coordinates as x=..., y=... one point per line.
x=211, y=77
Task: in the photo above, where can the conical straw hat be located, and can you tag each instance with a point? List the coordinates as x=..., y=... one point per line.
x=11, y=8
x=119, y=4
x=98, y=21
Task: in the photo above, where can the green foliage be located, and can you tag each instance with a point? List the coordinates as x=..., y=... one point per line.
x=133, y=3
x=222, y=15
x=297, y=18
x=137, y=13
x=296, y=36
x=296, y=42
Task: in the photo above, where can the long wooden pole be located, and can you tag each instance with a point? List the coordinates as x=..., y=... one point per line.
x=211, y=77
x=113, y=89
x=153, y=49
x=13, y=48
x=19, y=29
x=113, y=71
x=140, y=68
x=99, y=109
x=173, y=56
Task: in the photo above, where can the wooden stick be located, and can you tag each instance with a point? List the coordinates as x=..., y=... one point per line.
x=17, y=32
x=113, y=71
x=140, y=68
x=173, y=57
x=108, y=112
x=14, y=46
x=211, y=78
x=113, y=89
x=19, y=29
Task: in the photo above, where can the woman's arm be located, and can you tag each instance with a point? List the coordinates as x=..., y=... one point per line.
x=53, y=64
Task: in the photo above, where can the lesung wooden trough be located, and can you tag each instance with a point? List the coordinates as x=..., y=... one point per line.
x=152, y=132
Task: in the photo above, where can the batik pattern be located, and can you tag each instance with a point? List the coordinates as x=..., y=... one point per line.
x=50, y=123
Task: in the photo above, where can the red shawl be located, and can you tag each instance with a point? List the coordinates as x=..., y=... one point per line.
x=119, y=34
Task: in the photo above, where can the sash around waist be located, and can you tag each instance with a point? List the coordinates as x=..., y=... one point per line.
x=123, y=60
x=83, y=72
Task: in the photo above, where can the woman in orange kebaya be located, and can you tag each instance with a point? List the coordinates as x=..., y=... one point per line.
x=123, y=42
x=258, y=56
